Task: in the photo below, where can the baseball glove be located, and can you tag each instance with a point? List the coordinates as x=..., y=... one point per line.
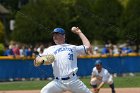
x=48, y=59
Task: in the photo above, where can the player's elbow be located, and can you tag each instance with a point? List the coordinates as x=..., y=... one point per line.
x=89, y=50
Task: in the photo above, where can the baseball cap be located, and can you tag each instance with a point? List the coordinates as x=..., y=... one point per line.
x=98, y=62
x=59, y=30
x=95, y=48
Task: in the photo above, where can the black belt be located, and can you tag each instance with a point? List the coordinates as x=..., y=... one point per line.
x=66, y=78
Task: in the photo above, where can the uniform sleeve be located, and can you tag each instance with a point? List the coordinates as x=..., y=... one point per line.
x=81, y=50
x=46, y=51
x=93, y=72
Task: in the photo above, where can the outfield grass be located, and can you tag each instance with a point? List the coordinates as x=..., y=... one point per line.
x=120, y=82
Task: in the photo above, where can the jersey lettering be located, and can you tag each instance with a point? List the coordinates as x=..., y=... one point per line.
x=70, y=56
x=62, y=49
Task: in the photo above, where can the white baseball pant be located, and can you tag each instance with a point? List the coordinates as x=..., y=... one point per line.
x=74, y=85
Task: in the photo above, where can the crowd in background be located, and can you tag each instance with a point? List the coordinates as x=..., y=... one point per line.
x=111, y=49
x=22, y=50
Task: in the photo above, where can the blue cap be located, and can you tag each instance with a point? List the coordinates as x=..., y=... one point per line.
x=59, y=30
x=98, y=62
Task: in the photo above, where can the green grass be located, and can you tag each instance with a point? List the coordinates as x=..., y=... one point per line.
x=23, y=85
x=120, y=82
x=127, y=82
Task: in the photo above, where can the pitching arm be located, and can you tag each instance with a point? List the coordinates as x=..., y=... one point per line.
x=84, y=39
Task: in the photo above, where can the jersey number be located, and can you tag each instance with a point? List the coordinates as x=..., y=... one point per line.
x=70, y=56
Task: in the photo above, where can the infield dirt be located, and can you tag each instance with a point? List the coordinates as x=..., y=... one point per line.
x=103, y=90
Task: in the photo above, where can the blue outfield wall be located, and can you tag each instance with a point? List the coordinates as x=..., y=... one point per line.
x=26, y=69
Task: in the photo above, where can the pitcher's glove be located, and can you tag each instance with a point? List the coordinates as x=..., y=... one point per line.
x=48, y=59
x=44, y=60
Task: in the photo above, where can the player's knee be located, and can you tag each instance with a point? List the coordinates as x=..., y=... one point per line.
x=42, y=91
x=110, y=82
x=93, y=81
x=45, y=90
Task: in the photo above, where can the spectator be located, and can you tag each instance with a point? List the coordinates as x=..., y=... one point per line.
x=22, y=51
x=129, y=50
x=105, y=50
x=16, y=50
x=41, y=51
x=41, y=46
x=96, y=51
x=28, y=52
x=115, y=49
x=35, y=52
x=9, y=51
x=110, y=49
x=126, y=50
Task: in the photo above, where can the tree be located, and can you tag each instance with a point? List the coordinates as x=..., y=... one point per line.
x=130, y=23
x=106, y=16
x=1, y=32
x=12, y=7
x=36, y=20
x=123, y=2
x=96, y=18
x=84, y=14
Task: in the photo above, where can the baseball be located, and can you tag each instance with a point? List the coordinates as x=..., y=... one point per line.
x=73, y=28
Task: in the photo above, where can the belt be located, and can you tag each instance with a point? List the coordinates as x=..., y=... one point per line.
x=66, y=78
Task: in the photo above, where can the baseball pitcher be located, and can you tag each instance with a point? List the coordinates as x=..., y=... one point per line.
x=65, y=63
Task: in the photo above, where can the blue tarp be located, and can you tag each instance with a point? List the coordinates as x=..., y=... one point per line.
x=26, y=69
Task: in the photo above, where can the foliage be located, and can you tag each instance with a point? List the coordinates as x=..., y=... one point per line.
x=130, y=22
x=36, y=20
x=1, y=49
x=100, y=20
x=123, y=2
x=12, y=6
x=84, y=17
x=107, y=16
x=1, y=33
